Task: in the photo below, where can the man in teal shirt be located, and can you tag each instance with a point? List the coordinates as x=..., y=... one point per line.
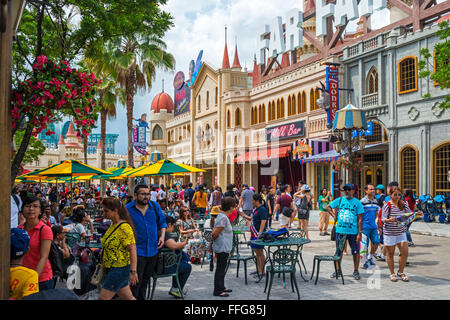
x=349, y=223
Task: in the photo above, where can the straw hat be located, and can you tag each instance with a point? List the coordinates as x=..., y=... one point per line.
x=215, y=211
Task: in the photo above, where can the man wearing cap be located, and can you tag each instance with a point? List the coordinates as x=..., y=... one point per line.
x=22, y=281
x=379, y=189
x=349, y=217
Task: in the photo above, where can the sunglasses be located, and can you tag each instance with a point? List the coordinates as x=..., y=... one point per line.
x=397, y=194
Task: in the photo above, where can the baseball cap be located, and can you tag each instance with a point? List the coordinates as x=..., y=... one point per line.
x=20, y=241
x=348, y=186
x=305, y=187
x=380, y=186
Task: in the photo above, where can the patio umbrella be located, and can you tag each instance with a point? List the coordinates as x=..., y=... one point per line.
x=119, y=173
x=163, y=168
x=350, y=118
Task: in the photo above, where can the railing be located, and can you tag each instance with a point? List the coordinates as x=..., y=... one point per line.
x=370, y=44
x=370, y=100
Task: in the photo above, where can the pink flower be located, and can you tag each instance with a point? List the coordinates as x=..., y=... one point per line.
x=77, y=110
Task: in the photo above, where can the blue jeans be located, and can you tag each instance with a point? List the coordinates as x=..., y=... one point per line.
x=46, y=285
x=184, y=271
x=408, y=234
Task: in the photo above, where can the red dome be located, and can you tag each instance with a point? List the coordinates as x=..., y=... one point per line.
x=162, y=101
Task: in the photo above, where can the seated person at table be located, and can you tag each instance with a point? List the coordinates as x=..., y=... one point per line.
x=79, y=218
x=185, y=268
x=186, y=223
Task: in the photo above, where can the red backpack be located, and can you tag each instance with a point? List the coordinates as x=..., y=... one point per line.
x=379, y=221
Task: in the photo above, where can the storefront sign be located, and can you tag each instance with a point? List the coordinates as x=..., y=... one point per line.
x=140, y=136
x=302, y=149
x=332, y=79
x=286, y=131
x=178, y=81
x=182, y=100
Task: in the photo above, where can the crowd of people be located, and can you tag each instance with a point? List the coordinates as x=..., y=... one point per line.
x=153, y=217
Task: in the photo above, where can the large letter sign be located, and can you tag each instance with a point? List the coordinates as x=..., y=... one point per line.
x=294, y=32
x=277, y=45
x=262, y=44
x=345, y=10
x=323, y=11
x=366, y=8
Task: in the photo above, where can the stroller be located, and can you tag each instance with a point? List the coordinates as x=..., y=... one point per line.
x=439, y=201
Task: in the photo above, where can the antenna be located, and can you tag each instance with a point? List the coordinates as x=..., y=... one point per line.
x=225, y=33
x=162, y=85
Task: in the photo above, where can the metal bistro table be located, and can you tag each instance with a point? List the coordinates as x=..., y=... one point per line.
x=285, y=243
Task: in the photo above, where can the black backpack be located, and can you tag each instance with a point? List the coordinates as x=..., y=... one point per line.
x=56, y=258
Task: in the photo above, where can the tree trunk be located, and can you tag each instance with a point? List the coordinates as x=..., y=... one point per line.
x=85, y=149
x=40, y=18
x=129, y=87
x=103, y=113
x=20, y=153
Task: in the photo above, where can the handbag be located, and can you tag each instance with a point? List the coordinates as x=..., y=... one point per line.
x=99, y=274
x=333, y=231
x=287, y=212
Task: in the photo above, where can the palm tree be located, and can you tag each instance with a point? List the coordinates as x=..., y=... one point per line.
x=136, y=59
x=98, y=60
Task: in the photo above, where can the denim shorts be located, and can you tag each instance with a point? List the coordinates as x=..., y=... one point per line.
x=372, y=234
x=117, y=278
x=351, y=238
x=255, y=246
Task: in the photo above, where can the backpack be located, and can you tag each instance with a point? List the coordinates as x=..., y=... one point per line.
x=379, y=221
x=272, y=235
x=55, y=257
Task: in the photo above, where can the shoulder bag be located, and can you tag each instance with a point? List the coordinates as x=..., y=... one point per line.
x=333, y=231
x=99, y=274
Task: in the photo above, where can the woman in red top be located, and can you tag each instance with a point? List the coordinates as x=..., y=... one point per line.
x=41, y=237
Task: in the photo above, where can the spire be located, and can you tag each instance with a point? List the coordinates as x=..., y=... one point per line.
x=226, y=60
x=71, y=131
x=61, y=140
x=309, y=5
x=236, y=63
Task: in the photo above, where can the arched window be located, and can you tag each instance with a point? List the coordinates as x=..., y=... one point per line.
x=372, y=81
x=282, y=108
x=316, y=97
x=293, y=105
x=169, y=137
x=407, y=75
x=199, y=103
x=440, y=168
x=253, y=121
x=237, y=118
x=278, y=109
x=262, y=114
x=157, y=133
x=303, y=102
x=289, y=106
x=273, y=110
x=379, y=134
x=409, y=168
x=312, y=100
x=207, y=100
x=228, y=119
x=299, y=103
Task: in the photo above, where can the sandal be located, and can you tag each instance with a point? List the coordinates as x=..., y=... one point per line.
x=227, y=290
x=403, y=277
x=223, y=294
x=393, y=277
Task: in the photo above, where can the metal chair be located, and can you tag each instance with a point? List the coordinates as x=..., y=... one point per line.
x=336, y=259
x=235, y=255
x=282, y=261
x=171, y=258
x=300, y=233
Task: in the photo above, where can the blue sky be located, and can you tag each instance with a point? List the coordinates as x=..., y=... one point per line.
x=199, y=25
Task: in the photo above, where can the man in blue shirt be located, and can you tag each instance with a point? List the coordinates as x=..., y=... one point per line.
x=370, y=232
x=189, y=194
x=150, y=226
x=349, y=222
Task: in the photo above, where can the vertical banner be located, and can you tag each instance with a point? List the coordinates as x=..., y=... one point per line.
x=332, y=79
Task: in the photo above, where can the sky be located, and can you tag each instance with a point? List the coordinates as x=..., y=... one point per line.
x=200, y=25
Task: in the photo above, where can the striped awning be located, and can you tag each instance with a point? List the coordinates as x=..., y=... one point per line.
x=324, y=157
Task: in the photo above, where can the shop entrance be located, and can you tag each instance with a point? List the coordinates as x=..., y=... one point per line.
x=373, y=174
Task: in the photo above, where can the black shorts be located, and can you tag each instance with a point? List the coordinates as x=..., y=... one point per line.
x=303, y=216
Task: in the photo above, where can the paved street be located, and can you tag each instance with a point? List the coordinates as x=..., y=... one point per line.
x=428, y=273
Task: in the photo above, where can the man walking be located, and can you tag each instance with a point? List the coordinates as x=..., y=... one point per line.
x=149, y=221
x=349, y=223
x=370, y=232
x=245, y=202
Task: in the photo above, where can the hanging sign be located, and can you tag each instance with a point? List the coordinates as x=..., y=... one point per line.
x=140, y=135
x=332, y=80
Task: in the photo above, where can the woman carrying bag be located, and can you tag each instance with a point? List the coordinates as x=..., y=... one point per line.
x=119, y=252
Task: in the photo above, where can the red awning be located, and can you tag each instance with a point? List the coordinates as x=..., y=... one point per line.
x=256, y=155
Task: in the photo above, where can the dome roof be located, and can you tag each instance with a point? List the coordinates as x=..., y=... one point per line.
x=162, y=101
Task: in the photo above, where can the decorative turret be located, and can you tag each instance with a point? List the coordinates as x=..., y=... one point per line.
x=236, y=63
x=225, y=60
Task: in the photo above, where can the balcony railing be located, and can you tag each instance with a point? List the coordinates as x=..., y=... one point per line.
x=370, y=100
